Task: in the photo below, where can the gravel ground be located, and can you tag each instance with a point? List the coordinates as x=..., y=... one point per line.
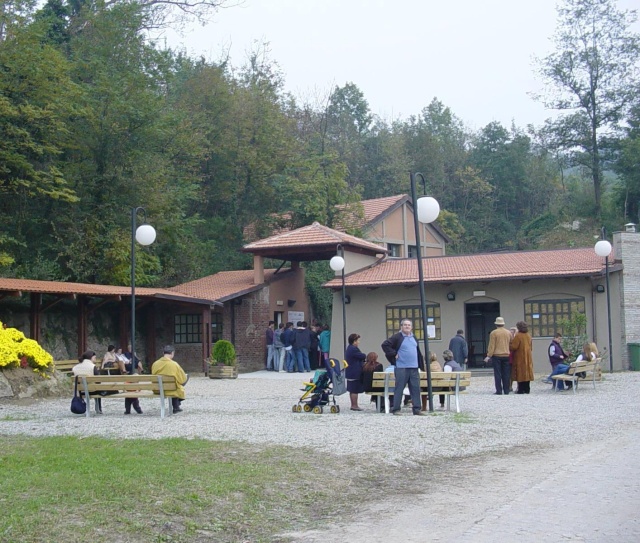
x=256, y=408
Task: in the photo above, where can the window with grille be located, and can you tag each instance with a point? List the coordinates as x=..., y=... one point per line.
x=413, y=251
x=216, y=327
x=544, y=317
x=187, y=329
x=412, y=312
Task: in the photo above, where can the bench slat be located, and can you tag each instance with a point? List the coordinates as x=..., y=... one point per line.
x=439, y=380
x=127, y=386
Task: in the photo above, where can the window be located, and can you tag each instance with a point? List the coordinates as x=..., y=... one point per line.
x=544, y=316
x=216, y=327
x=413, y=251
x=394, y=249
x=412, y=312
x=187, y=329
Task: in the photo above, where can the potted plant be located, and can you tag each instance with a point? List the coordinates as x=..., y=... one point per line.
x=223, y=365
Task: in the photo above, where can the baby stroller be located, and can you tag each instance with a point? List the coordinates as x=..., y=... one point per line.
x=323, y=389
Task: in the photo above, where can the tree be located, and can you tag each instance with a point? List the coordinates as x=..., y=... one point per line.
x=627, y=166
x=348, y=120
x=594, y=76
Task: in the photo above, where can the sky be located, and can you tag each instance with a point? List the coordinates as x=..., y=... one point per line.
x=476, y=57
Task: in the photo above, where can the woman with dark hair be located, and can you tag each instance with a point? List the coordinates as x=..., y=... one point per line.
x=354, y=358
x=522, y=368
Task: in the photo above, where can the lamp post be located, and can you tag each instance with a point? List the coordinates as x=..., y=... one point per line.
x=603, y=248
x=337, y=264
x=425, y=210
x=145, y=234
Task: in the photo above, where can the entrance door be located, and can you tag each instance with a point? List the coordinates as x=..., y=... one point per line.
x=480, y=319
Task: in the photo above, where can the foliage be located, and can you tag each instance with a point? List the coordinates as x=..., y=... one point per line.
x=594, y=72
x=574, y=333
x=14, y=347
x=98, y=119
x=317, y=274
x=224, y=353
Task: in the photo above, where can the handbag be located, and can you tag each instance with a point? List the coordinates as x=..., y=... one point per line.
x=78, y=405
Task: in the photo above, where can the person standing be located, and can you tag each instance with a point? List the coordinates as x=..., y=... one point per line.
x=354, y=358
x=325, y=342
x=168, y=366
x=458, y=346
x=287, y=338
x=270, y=349
x=522, y=348
x=301, y=342
x=278, y=347
x=313, y=347
x=498, y=354
x=402, y=351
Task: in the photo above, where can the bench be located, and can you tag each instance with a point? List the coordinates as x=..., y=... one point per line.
x=65, y=366
x=579, y=371
x=451, y=383
x=127, y=386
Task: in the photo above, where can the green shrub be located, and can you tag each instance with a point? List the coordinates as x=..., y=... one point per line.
x=224, y=353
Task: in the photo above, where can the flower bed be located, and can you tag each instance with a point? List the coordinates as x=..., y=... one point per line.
x=16, y=350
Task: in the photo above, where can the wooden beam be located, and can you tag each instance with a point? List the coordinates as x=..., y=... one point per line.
x=34, y=320
x=93, y=308
x=56, y=301
x=83, y=315
x=206, y=337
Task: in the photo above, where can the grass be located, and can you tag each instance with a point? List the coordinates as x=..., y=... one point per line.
x=462, y=418
x=15, y=418
x=169, y=490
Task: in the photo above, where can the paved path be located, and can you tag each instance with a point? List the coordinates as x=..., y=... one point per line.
x=519, y=496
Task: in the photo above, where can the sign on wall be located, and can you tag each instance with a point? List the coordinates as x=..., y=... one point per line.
x=295, y=316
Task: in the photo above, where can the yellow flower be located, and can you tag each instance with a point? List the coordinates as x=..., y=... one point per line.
x=14, y=345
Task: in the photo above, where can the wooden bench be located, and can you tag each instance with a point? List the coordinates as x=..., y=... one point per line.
x=127, y=386
x=65, y=366
x=442, y=382
x=579, y=371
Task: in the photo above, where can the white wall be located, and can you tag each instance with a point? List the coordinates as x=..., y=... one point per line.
x=366, y=313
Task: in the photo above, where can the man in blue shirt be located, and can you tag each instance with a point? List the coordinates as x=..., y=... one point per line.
x=402, y=351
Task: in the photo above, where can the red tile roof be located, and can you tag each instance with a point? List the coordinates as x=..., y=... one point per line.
x=86, y=289
x=376, y=207
x=226, y=285
x=481, y=267
x=373, y=210
x=314, y=237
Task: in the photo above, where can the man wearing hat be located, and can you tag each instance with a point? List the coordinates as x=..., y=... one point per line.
x=498, y=353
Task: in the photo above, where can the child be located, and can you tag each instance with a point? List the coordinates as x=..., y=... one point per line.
x=370, y=366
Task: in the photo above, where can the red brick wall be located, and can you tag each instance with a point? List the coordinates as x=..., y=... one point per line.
x=251, y=316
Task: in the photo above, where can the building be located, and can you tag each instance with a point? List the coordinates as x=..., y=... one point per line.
x=470, y=291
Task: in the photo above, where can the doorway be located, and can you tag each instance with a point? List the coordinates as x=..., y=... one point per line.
x=479, y=320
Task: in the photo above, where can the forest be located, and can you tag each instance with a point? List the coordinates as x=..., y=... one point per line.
x=98, y=118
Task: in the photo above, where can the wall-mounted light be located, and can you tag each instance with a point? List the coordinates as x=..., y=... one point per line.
x=347, y=298
x=291, y=303
x=600, y=288
x=451, y=296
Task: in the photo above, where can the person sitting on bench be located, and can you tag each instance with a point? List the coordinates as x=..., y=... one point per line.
x=168, y=366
